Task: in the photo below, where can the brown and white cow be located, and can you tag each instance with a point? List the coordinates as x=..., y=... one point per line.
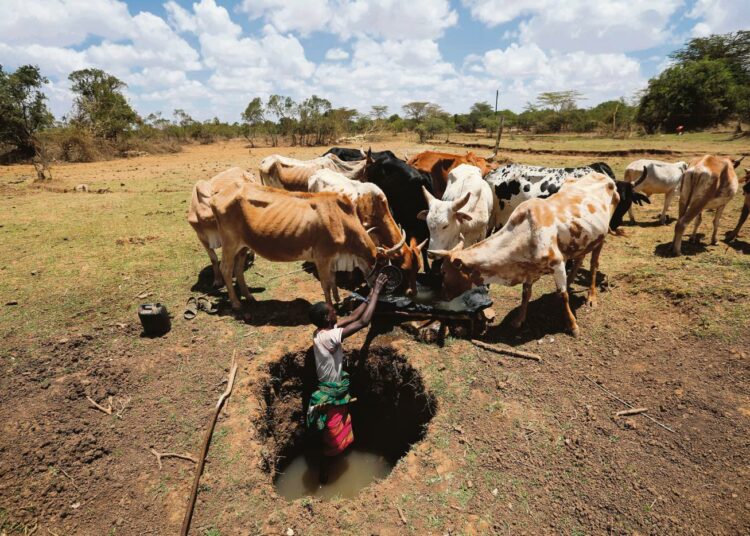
x=709, y=182
x=540, y=236
x=286, y=226
x=439, y=165
x=291, y=174
x=375, y=214
x=201, y=217
x=732, y=235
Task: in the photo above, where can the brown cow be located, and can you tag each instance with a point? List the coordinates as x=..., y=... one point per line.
x=291, y=174
x=438, y=165
x=732, y=235
x=200, y=216
x=540, y=236
x=286, y=226
x=375, y=214
x=709, y=182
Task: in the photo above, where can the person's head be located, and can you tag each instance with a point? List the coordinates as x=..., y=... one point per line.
x=322, y=315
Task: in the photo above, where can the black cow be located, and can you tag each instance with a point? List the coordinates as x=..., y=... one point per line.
x=352, y=155
x=627, y=198
x=402, y=185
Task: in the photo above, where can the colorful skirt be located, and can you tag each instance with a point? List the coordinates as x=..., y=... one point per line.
x=338, y=434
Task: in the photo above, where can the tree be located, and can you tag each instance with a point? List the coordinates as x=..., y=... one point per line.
x=379, y=112
x=696, y=94
x=709, y=84
x=23, y=112
x=416, y=111
x=100, y=105
x=252, y=117
x=559, y=101
x=283, y=109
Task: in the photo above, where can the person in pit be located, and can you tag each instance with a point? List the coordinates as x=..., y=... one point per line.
x=328, y=411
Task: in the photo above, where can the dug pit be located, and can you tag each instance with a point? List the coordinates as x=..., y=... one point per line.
x=392, y=412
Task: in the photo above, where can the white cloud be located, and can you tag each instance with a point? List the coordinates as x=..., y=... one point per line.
x=601, y=26
x=388, y=19
x=720, y=16
x=528, y=70
x=336, y=54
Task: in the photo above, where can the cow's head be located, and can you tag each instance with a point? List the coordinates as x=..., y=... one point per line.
x=444, y=219
x=412, y=264
x=457, y=276
x=627, y=196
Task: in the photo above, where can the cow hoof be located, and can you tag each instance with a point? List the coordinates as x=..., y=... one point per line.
x=591, y=302
x=731, y=236
x=218, y=283
x=714, y=242
x=575, y=332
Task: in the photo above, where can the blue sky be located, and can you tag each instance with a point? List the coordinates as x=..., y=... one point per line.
x=210, y=57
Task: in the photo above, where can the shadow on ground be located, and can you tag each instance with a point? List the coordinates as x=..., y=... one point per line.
x=544, y=317
x=739, y=245
x=688, y=248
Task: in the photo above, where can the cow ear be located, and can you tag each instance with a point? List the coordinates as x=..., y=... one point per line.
x=463, y=217
x=736, y=163
x=640, y=198
x=422, y=215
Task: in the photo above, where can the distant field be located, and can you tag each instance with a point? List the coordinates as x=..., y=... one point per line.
x=515, y=446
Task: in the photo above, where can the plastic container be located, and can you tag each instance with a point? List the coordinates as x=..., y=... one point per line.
x=154, y=319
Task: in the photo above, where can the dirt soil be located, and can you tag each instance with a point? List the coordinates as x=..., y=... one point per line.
x=515, y=447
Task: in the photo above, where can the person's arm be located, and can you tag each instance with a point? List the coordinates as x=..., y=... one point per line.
x=346, y=320
x=366, y=315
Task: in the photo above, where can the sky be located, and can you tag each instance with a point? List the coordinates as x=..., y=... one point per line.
x=211, y=57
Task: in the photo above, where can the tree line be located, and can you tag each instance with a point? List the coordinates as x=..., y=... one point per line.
x=707, y=85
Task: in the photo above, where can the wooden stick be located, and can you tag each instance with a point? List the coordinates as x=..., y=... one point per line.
x=506, y=351
x=204, y=449
x=633, y=411
x=72, y=481
x=160, y=455
x=351, y=401
x=108, y=410
x=401, y=515
x=620, y=400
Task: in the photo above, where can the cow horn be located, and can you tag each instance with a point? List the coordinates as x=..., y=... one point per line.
x=427, y=195
x=371, y=229
x=422, y=244
x=642, y=177
x=437, y=253
x=394, y=249
x=458, y=204
x=492, y=157
x=736, y=163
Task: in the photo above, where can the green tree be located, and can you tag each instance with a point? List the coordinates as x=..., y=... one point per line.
x=696, y=94
x=100, y=105
x=416, y=111
x=23, y=111
x=253, y=118
x=379, y=112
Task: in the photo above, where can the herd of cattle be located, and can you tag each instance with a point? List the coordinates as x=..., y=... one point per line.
x=484, y=223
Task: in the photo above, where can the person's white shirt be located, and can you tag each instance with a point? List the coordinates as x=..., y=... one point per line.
x=329, y=354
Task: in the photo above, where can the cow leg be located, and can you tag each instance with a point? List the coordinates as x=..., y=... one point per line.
x=679, y=229
x=562, y=290
x=717, y=219
x=698, y=220
x=667, y=201
x=525, y=297
x=631, y=214
x=327, y=276
x=591, y=301
x=732, y=235
x=239, y=273
x=228, y=258
x=574, y=270
x=218, y=279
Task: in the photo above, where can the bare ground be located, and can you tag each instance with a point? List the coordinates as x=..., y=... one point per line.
x=516, y=447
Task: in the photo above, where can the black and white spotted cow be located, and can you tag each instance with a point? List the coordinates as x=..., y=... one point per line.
x=515, y=183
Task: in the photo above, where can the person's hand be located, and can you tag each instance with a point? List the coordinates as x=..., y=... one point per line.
x=380, y=283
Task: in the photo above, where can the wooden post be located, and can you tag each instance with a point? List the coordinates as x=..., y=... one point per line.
x=499, y=135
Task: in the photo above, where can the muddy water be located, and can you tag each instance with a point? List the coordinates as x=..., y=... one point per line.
x=348, y=474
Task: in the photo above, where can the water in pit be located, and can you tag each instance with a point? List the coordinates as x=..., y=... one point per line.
x=348, y=474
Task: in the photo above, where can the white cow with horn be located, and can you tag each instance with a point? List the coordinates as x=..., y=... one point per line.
x=466, y=209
